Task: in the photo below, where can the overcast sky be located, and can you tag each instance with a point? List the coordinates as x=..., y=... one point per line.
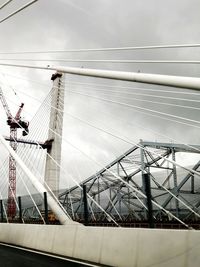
x=65, y=24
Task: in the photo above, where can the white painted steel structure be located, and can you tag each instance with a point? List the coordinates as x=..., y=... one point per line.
x=157, y=79
x=61, y=215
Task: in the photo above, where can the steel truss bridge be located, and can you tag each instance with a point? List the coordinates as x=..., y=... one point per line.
x=119, y=199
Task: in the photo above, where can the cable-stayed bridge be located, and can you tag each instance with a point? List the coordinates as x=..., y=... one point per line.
x=118, y=184
x=149, y=185
x=99, y=162
x=106, y=173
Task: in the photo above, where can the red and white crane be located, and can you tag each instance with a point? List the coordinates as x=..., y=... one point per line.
x=14, y=122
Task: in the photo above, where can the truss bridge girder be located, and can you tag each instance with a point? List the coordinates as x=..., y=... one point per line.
x=116, y=186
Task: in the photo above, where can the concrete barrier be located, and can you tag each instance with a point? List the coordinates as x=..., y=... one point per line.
x=118, y=247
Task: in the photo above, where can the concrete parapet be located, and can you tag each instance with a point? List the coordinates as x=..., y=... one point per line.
x=118, y=247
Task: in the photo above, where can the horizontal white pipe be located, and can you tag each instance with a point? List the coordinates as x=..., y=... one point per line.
x=158, y=79
x=63, y=218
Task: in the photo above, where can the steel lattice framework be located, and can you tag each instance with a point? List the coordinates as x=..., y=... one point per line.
x=15, y=122
x=120, y=200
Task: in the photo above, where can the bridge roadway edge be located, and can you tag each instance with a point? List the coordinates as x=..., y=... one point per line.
x=118, y=247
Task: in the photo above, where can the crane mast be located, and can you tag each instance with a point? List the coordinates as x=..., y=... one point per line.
x=14, y=123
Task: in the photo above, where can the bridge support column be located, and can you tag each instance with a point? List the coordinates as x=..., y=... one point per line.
x=1, y=206
x=143, y=178
x=20, y=209
x=147, y=183
x=52, y=170
x=46, y=208
x=175, y=181
x=85, y=203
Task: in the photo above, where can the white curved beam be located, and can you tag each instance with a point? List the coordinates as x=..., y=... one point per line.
x=58, y=211
x=158, y=79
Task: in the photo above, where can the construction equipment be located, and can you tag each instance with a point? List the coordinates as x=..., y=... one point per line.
x=14, y=123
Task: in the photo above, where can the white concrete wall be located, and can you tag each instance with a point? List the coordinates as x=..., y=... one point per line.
x=123, y=247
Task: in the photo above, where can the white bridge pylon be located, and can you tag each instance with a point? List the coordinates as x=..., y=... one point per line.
x=53, y=157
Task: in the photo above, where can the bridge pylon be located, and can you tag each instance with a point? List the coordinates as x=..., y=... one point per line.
x=52, y=170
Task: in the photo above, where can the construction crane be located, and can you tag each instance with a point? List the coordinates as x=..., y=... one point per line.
x=14, y=123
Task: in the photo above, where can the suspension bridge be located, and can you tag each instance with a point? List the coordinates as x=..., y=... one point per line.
x=106, y=170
